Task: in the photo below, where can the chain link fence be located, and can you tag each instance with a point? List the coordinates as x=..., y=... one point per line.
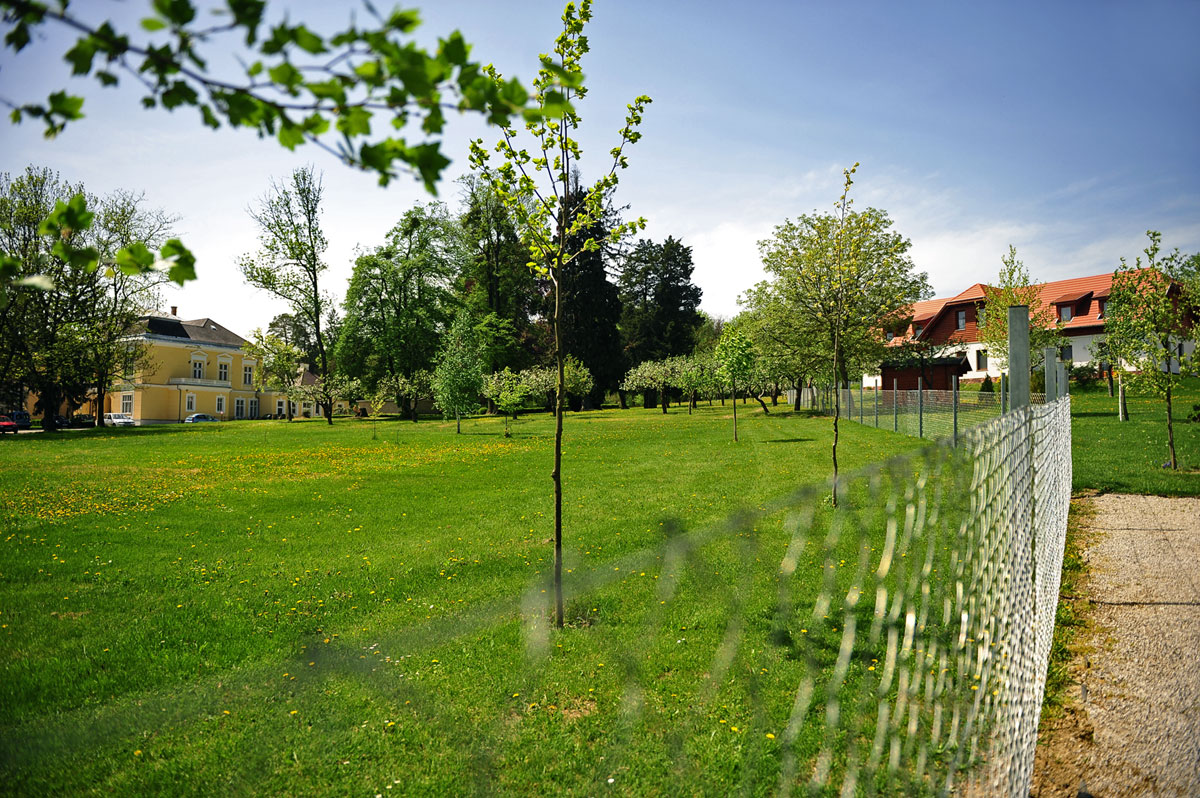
x=922, y=414
x=893, y=645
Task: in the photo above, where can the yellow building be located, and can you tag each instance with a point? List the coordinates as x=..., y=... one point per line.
x=193, y=366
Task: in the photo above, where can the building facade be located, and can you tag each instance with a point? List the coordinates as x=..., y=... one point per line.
x=949, y=328
x=195, y=366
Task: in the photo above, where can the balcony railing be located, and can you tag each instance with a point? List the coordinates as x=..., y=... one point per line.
x=205, y=383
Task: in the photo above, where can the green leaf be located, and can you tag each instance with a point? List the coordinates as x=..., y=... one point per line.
x=80, y=56
x=183, y=267
x=135, y=258
x=152, y=24
x=355, y=121
x=179, y=12
x=290, y=134
x=286, y=75
x=307, y=40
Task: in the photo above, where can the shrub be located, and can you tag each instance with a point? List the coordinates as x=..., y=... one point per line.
x=1085, y=375
x=986, y=386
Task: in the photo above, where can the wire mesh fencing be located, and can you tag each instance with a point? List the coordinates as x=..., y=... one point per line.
x=922, y=414
x=895, y=644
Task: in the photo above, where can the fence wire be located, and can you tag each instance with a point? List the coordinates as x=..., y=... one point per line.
x=895, y=645
x=922, y=414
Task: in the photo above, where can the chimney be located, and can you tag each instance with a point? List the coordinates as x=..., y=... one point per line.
x=174, y=310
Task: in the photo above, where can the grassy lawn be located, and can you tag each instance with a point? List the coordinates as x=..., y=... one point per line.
x=261, y=607
x=1115, y=457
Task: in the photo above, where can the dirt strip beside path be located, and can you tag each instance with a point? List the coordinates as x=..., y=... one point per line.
x=1133, y=727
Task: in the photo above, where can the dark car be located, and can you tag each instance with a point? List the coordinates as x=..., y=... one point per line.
x=196, y=418
x=21, y=419
x=83, y=420
x=7, y=425
x=62, y=422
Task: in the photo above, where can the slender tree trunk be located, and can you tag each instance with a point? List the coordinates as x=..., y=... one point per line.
x=1122, y=407
x=664, y=398
x=766, y=409
x=796, y=387
x=1170, y=427
x=734, y=412
x=328, y=408
x=457, y=424
x=621, y=399
x=1110, y=379
x=557, y=474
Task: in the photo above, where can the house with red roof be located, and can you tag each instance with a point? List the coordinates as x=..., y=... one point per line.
x=949, y=329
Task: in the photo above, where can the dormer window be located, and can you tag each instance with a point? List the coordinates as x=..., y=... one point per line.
x=1100, y=312
x=891, y=335
x=960, y=320
x=917, y=330
x=1065, y=313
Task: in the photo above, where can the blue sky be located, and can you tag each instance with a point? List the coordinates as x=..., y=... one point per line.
x=1066, y=129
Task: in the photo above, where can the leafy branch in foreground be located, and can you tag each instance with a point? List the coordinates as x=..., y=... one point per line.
x=296, y=84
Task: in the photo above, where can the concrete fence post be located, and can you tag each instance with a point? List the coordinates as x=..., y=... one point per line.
x=895, y=407
x=1050, y=369
x=1018, y=356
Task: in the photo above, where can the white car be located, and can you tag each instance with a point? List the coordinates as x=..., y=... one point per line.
x=118, y=420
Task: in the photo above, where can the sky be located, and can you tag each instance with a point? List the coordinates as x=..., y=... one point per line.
x=1066, y=129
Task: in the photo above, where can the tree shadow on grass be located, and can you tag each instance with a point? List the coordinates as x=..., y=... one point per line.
x=790, y=440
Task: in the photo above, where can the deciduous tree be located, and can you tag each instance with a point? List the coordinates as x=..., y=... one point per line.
x=458, y=377
x=1150, y=317
x=1014, y=286
x=535, y=184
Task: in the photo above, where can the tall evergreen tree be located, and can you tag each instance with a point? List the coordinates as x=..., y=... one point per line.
x=591, y=304
x=660, y=304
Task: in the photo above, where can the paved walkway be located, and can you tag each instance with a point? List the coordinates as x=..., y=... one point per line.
x=1134, y=729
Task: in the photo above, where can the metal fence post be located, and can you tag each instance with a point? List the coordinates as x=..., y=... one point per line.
x=860, y=400
x=954, y=400
x=920, y=408
x=895, y=407
x=1050, y=369
x=1003, y=395
x=1018, y=356
x=877, y=387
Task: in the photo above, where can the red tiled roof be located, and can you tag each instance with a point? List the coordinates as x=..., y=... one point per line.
x=1097, y=285
x=972, y=294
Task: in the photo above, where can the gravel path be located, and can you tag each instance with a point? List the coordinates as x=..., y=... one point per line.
x=1135, y=726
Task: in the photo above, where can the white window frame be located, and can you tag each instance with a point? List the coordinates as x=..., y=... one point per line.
x=247, y=375
x=239, y=407
x=223, y=372
x=1065, y=312
x=253, y=408
x=220, y=404
x=127, y=404
x=960, y=320
x=190, y=403
x=981, y=360
x=279, y=407
x=197, y=369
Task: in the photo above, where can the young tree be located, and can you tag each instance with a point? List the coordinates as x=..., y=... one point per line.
x=507, y=391
x=735, y=364
x=458, y=377
x=325, y=391
x=535, y=185
x=276, y=365
x=288, y=263
x=1151, y=314
x=1014, y=286
x=845, y=274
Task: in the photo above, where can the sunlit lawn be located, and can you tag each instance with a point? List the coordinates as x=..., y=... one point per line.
x=1128, y=457
x=268, y=608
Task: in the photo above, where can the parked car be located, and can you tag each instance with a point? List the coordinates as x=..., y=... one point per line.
x=118, y=420
x=83, y=420
x=7, y=425
x=196, y=418
x=62, y=422
x=21, y=419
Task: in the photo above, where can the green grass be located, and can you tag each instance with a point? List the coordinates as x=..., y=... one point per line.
x=1111, y=456
x=261, y=607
